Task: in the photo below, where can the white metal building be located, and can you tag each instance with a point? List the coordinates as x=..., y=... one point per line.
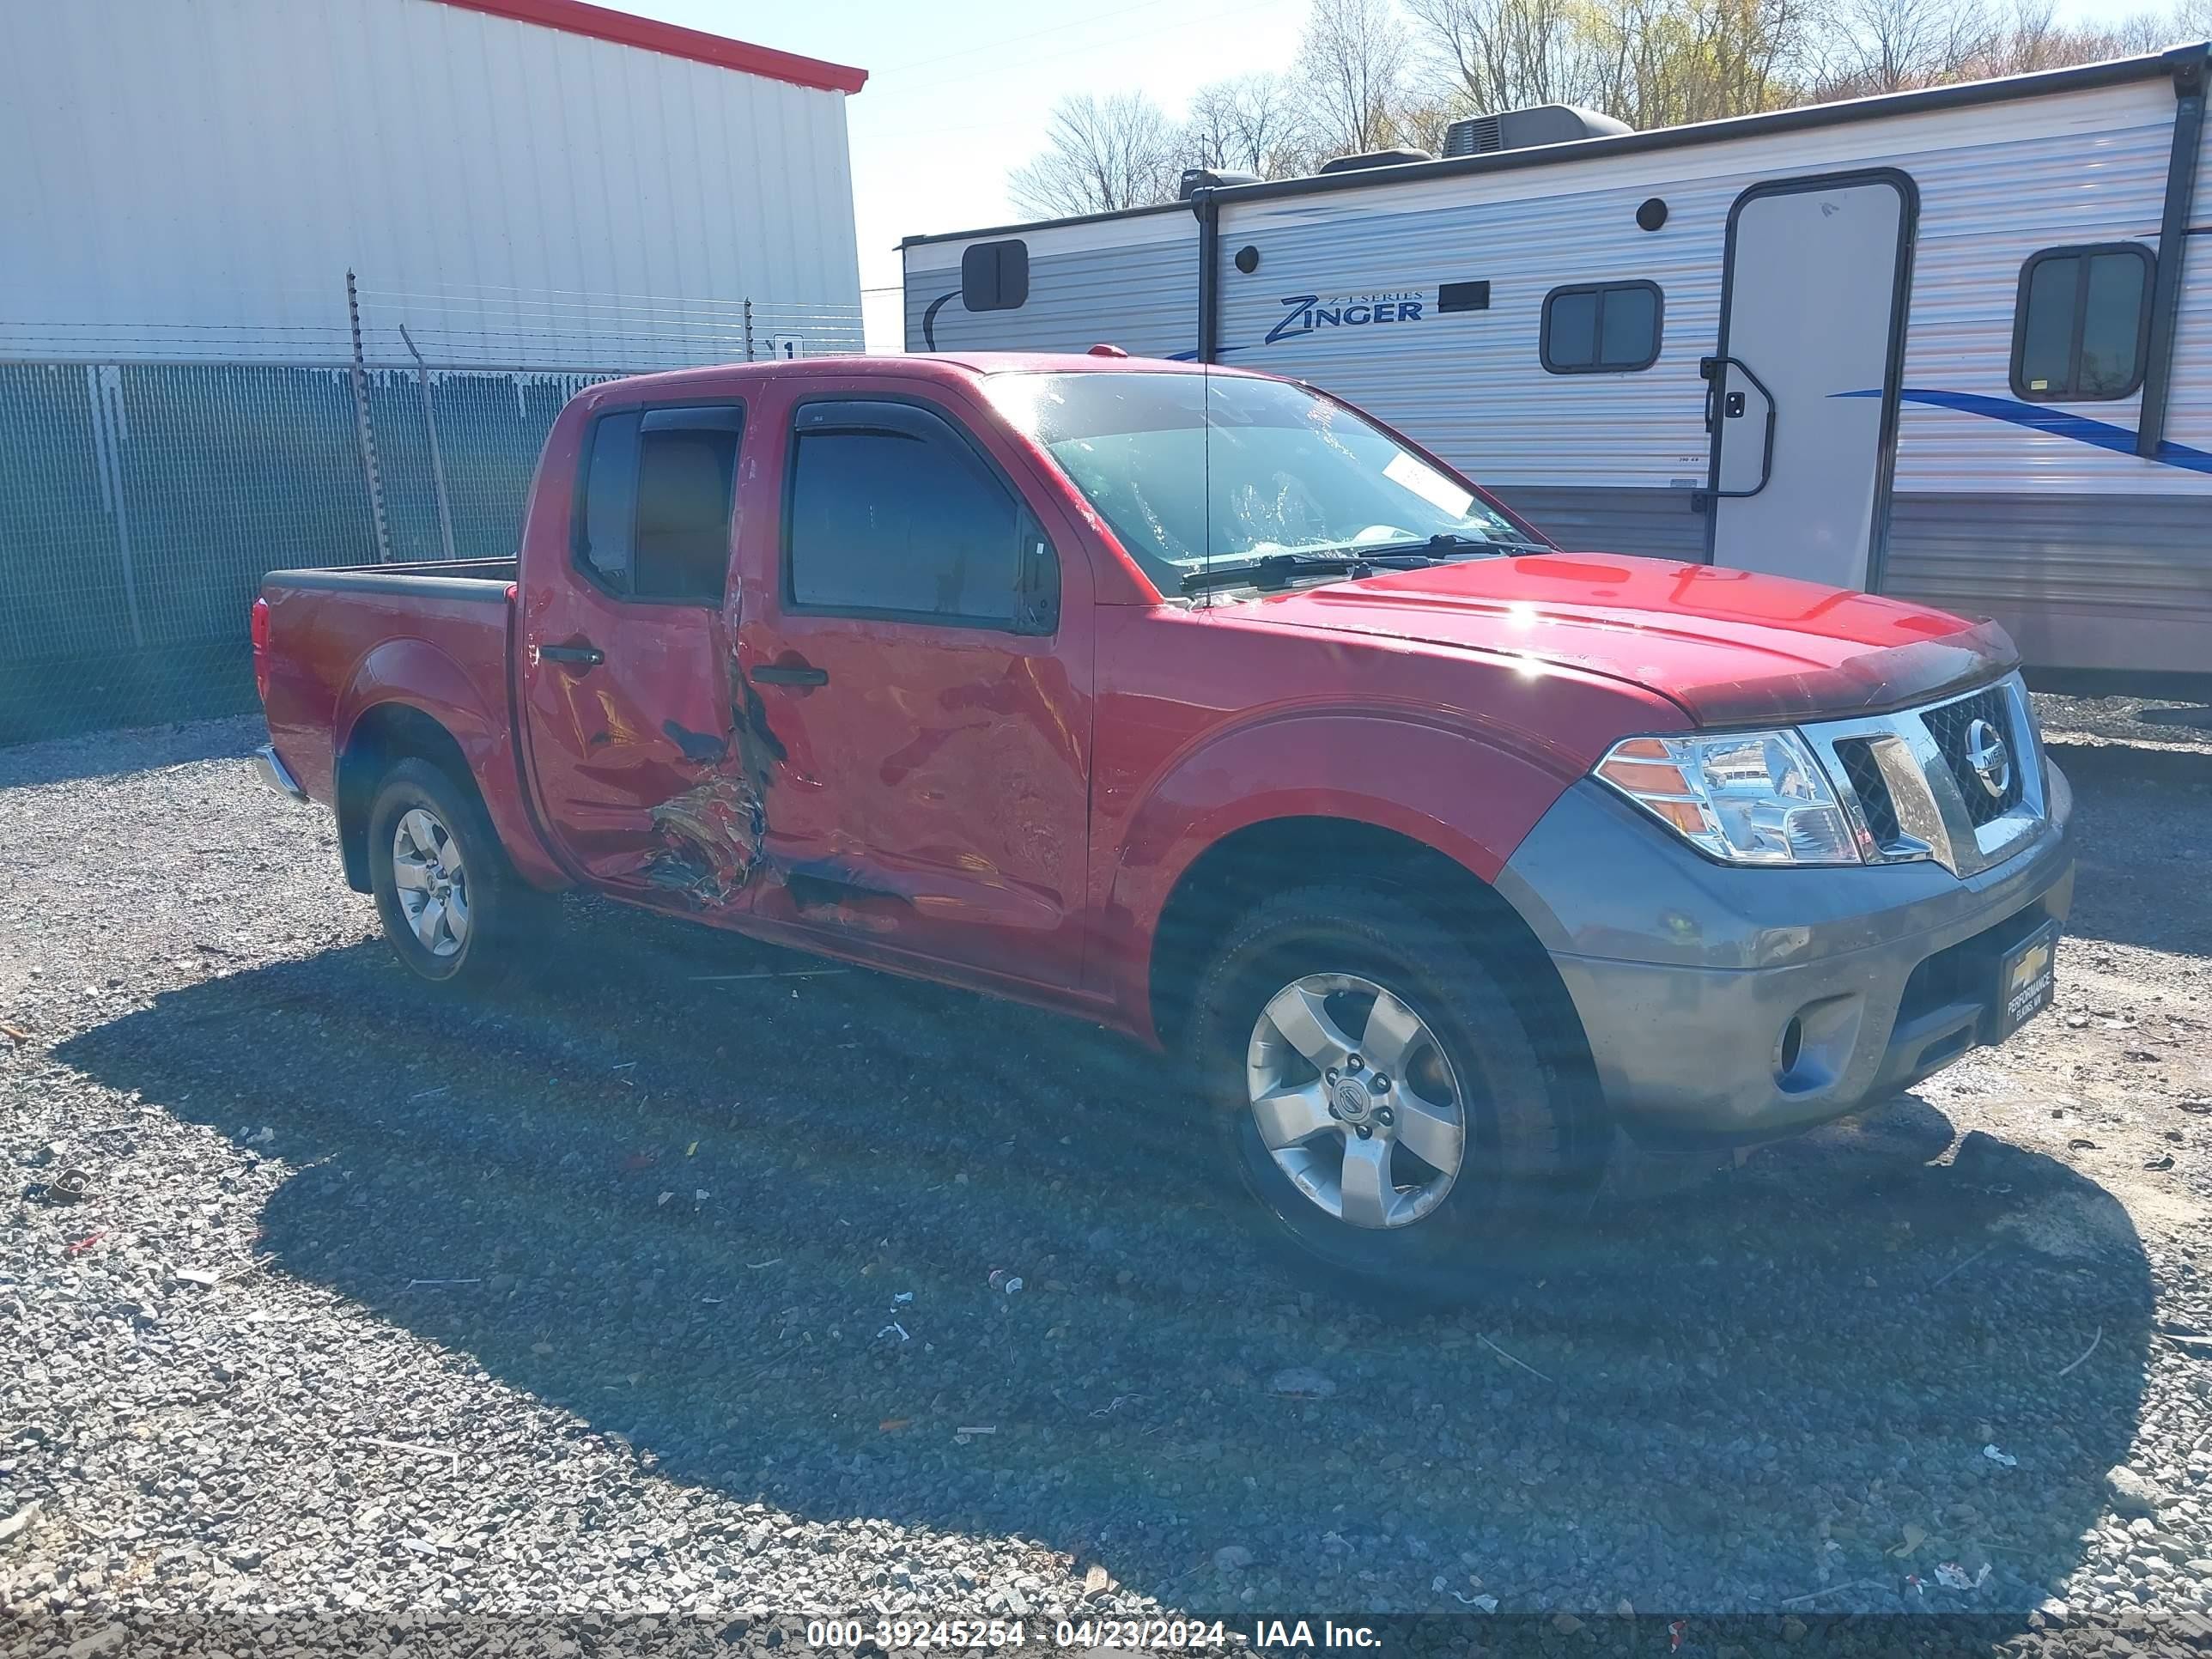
x=194, y=178
x=304, y=282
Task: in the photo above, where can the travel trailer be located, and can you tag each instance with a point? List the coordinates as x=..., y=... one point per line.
x=1947, y=344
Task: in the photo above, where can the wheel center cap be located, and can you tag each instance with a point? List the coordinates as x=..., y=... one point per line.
x=1353, y=1100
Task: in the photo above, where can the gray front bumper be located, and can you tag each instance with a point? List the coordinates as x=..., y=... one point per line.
x=1685, y=973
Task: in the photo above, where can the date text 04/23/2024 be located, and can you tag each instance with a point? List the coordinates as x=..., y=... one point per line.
x=1163, y=1635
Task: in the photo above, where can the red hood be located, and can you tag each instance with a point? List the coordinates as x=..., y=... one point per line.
x=1729, y=645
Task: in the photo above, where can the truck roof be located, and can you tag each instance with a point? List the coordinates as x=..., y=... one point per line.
x=946, y=365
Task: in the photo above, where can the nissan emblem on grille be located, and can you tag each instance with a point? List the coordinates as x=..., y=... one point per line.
x=1991, y=759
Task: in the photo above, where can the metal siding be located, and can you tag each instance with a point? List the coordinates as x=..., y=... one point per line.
x=1985, y=208
x=192, y=181
x=1469, y=384
x=2114, y=581
x=1129, y=283
x=1656, y=523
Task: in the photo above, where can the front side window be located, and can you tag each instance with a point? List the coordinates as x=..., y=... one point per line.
x=1190, y=468
x=893, y=513
x=658, y=490
x=1601, y=328
x=2081, y=322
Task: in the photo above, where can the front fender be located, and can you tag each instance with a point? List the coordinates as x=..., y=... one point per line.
x=1468, y=793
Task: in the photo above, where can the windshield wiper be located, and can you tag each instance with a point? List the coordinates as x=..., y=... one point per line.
x=1447, y=545
x=1280, y=569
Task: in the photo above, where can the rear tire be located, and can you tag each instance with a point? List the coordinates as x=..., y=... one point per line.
x=1426, y=1166
x=453, y=907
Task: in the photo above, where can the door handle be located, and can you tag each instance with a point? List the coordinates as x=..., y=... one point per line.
x=1731, y=405
x=789, y=674
x=589, y=656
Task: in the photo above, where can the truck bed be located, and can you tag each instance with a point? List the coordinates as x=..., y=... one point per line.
x=337, y=638
x=434, y=578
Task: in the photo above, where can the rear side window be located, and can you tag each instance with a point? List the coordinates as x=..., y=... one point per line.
x=657, y=488
x=1601, y=328
x=892, y=512
x=2081, y=322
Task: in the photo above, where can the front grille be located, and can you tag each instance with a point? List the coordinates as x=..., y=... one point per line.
x=1864, y=775
x=1949, y=727
x=1918, y=794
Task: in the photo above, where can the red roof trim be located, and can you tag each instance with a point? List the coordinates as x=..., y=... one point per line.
x=624, y=29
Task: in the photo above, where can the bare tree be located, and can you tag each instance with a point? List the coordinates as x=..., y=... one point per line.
x=1361, y=82
x=1255, y=123
x=1888, y=46
x=1101, y=154
x=1505, y=54
x=1354, y=60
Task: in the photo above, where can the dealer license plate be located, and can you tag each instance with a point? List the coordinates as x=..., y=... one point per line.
x=2025, y=979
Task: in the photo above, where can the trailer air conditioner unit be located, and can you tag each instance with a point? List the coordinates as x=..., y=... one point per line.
x=1523, y=129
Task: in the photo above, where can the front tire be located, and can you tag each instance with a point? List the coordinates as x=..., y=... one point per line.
x=452, y=905
x=1380, y=1093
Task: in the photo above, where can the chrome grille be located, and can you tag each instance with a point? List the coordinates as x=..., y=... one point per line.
x=1863, y=773
x=1911, y=782
x=1950, y=724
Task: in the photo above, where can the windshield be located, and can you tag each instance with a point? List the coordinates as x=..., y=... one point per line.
x=1191, y=468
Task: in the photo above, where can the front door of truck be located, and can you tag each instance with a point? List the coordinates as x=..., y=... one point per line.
x=626, y=657
x=1802, y=397
x=918, y=656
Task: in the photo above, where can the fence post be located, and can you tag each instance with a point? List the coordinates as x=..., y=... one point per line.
x=748, y=331
x=109, y=430
x=437, y=460
x=364, y=430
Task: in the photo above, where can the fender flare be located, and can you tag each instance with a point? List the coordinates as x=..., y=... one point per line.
x=1469, y=793
x=410, y=672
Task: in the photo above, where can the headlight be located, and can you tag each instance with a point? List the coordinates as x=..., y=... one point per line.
x=1743, y=797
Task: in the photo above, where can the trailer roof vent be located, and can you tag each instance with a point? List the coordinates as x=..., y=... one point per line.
x=1375, y=158
x=1197, y=178
x=1523, y=129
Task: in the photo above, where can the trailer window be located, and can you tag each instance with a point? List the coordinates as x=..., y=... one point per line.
x=654, y=522
x=1601, y=328
x=2081, y=323
x=995, y=277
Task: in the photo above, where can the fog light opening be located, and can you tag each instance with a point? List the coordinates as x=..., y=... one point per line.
x=1793, y=1044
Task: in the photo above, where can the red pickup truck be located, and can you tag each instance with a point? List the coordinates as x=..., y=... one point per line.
x=1196, y=703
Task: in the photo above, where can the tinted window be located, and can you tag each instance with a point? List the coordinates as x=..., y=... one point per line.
x=1601, y=327
x=657, y=496
x=908, y=520
x=995, y=277
x=2078, y=331
x=610, y=500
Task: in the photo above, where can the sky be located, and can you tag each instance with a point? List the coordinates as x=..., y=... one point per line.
x=959, y=90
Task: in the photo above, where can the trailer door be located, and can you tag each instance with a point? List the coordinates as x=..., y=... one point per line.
x=1802, y=397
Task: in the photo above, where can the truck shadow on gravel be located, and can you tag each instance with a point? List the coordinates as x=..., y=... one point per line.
x=763, y=1229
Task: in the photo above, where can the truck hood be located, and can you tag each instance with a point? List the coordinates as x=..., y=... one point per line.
x=1729, y=645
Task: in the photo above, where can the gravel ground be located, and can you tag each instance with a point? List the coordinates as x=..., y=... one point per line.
x=2151, y=722
x=682, y=1280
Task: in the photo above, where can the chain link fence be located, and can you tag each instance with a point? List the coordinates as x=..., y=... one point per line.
x=143, y=494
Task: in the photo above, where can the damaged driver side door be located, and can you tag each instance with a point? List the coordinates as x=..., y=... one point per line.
x=626, y=660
